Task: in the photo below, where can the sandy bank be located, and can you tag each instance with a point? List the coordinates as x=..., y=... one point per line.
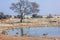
x=4, y=37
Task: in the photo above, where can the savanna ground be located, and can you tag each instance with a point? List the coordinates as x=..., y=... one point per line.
x=14, y=23
x=5, y=37
x=36, y=22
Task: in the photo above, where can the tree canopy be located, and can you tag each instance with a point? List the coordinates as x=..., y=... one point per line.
x=24, y=7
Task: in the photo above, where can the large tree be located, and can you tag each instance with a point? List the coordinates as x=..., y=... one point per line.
x=24, y=7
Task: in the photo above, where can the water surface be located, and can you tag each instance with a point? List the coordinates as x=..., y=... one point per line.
x=39, y=31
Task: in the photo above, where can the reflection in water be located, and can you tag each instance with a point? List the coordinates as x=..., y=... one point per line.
x=42, y=32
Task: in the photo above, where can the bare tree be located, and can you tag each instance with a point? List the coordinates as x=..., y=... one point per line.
x=24, y=7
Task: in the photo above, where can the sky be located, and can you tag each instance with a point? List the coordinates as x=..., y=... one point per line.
x=46, y=6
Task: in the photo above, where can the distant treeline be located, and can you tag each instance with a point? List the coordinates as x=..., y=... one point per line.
x=39, y=16
x=3, y=16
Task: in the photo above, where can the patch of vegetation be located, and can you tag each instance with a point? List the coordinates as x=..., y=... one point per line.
x=36, y=16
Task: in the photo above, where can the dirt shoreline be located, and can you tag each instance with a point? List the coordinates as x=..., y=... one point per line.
x=5, y=37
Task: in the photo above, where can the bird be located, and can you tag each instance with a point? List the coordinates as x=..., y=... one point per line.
x=45, y=34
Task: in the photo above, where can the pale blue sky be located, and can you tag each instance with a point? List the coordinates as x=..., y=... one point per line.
x=46, y=6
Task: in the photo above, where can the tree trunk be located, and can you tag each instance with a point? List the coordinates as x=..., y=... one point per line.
x=21, y=31
x=21, y=17
x=21, y=22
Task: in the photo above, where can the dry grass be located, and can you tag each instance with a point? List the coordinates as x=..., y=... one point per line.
x=27, y=23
